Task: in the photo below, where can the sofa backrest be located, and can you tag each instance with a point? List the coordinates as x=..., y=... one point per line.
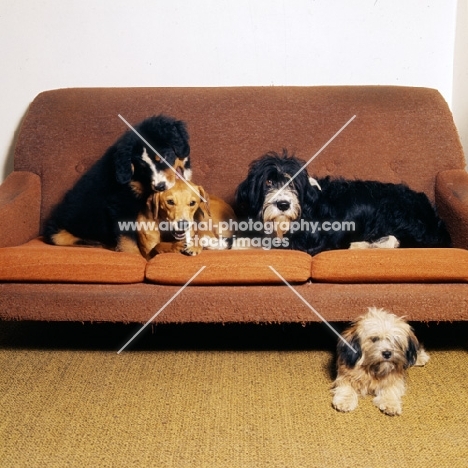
x=399, y=134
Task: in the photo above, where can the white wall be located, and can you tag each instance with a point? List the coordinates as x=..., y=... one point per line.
x=50, y=44
x=460, y=73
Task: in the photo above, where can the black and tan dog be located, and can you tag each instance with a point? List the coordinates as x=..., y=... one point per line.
x=184, y=219
x=115, y=189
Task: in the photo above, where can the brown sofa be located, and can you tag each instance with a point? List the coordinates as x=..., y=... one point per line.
x=399, y=134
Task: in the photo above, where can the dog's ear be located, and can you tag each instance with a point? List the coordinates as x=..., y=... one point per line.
x=181, y=144
x=314, y=183
x=412, y=350
x=204, y=207
x=241, y=197
x=123, y=164
x=311, y=192
x=350, y=352
x=152, y=204
x=250, y=197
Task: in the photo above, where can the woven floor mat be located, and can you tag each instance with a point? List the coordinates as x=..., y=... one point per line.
x=220, y=407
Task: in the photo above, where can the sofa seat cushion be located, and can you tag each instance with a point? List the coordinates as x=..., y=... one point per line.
x=37, y=261
x=391, y=266
x=230, y=267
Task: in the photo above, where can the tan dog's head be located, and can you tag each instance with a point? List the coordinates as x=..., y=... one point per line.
x=180, y=206
x=383, y=343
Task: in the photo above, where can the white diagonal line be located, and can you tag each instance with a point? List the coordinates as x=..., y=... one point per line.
x=311, y=308
x=314, y=156
x=180, y=176
x=161, y=309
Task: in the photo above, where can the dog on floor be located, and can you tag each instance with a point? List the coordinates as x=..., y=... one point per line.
x=185, y=219
x=369, y=214
x=380, y=348
x=117, y=186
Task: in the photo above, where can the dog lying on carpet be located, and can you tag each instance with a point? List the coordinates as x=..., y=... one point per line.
x=117, y=186
x=379, y=349
x=184, y=219
x=366, y=214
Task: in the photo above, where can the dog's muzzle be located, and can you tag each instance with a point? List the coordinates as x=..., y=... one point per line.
x=179, y=229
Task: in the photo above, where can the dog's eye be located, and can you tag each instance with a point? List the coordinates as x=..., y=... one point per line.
x=268, y=183
x=170, y=202
x=374, y=339
x=193, y=203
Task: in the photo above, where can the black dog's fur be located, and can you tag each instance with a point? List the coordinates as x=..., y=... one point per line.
x=377, y=209
x=118, y=185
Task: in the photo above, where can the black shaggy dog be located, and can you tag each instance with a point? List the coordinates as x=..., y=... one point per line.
x=118, y=185
x=325, y=214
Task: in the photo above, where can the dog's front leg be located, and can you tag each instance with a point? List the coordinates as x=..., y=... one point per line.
x=147, y=240
x=345, y=398
x=388, y=398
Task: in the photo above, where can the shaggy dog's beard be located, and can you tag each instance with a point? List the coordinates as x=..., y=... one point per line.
x=281, y=209
x=382, y=369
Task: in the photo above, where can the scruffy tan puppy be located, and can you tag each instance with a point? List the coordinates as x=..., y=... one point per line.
x=380, y=348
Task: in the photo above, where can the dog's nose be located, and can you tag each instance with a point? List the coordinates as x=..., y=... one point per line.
x=159, y=187
x=183, y=225
x=283, y=205
x=387, y=354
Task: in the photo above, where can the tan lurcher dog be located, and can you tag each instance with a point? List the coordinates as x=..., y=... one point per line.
x=185, y=219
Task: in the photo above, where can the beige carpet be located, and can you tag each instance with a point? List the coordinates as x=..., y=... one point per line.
x=213, y=396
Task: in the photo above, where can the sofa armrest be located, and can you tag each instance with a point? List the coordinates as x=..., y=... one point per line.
x=451, y=196
x=20, y=208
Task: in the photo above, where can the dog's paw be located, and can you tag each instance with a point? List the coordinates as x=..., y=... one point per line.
x=389, y=407
x=345, y=399
x=178, y=246
x=344, y=406
x=422, y=357
x=191, y=250
x=360, y=245
x=391, y=410
x=389, y=242
x=217, y=243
